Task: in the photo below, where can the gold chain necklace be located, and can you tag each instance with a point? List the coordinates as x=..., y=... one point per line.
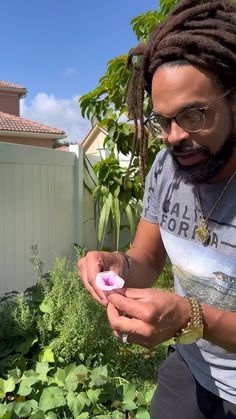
x=202, y=230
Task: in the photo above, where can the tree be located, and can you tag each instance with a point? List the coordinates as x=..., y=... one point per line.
x=118, y=199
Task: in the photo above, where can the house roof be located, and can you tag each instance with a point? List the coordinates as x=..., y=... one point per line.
x=12, y=87
x=15, y=125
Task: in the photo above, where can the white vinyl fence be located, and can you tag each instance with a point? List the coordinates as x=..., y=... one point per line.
x=41, y=198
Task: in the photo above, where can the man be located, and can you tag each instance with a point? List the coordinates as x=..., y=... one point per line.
x=189, y=68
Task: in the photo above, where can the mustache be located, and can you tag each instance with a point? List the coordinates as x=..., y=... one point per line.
x=182, y=149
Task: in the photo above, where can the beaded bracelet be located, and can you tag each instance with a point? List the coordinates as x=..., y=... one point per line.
x=129, y=262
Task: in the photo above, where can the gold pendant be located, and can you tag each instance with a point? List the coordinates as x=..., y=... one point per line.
x=203, y=232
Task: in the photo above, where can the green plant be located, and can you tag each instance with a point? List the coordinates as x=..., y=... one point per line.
x=58, y=312
x=48, y=392
x=53, y=335
x=71, y=322
x=117, y=198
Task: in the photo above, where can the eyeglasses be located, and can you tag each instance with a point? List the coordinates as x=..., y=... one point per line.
x=190, y=120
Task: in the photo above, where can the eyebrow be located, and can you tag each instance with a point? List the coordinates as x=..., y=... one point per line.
x=196, y=105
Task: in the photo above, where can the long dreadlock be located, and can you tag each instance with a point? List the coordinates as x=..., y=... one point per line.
x=201, y=32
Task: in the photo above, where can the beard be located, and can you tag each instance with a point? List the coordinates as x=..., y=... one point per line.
x=207, y=169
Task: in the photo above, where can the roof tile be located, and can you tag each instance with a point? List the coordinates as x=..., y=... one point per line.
x=9, y=85
x=10, y=122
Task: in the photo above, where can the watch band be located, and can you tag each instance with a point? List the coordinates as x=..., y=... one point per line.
x=194, y=326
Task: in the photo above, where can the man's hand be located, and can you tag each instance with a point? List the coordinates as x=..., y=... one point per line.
x=95, y=262
x=147, y=316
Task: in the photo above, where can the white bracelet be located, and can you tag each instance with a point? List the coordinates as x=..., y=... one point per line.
x=129, y=262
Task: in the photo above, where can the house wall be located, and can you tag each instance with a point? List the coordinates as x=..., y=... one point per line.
x=36, y=142
x=94, y=145
x=41, y=204
x=9, y=103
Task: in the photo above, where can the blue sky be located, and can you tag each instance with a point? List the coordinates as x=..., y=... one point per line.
x=58, y=49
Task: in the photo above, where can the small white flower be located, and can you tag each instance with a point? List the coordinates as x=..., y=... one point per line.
x=109, y=280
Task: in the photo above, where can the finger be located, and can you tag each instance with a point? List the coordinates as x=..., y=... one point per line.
x=137, y=331
x=123, y=324
x=142, y=294
x=132, y=308
x=90, y=286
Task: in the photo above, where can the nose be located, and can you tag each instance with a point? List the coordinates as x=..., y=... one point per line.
x=176, y=134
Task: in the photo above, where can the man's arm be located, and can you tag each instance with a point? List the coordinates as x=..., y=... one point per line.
x=148, y=255
x=220, y=327
x=154, y=316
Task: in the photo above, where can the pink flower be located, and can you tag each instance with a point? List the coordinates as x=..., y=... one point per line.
x=109, y=280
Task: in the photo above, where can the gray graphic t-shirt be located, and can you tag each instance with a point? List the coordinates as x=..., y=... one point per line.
x=207, y=273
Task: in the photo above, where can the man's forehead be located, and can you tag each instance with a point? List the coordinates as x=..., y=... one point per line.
x=175, y=88
x=185, y=73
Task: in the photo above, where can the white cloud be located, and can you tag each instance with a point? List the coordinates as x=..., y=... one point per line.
x=57, y=112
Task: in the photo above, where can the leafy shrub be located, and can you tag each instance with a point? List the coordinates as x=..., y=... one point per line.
x=71, y=321
x=49, y=392
x=56, y=323
x=60, y=313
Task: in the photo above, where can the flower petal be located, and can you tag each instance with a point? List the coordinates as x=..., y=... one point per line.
x=109, y=280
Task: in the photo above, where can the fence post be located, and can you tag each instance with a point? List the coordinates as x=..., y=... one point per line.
x=78, y=194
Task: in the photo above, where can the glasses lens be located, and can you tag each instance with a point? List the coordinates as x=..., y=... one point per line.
x=159, y=125
x=154, y=126
x=191, y=120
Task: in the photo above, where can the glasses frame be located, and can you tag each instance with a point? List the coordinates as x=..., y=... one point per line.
x=203, y=109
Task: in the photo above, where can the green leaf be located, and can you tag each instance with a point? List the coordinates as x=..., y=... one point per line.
x=141, y=398
x=117, y=415
x=76, y=403
x=38, y=415
x=99, y=376
x=25, y=346
x=25, y=385
x=149, y=394
x=142, y=413
x=51, y=415
x=130, y=218
x=82, y=373
x=51, y=398
x=71, y=376
x=10, y=415
x=6, y=386
x=3, y=409
x=116, y=214
x=129, y=391
x=15, y=374
x=46, y=355
x=45, y=307
x=60, y=377
x=129, y=404
x=84, y=415
x=23, y=409
x=104, y=217
x=75, y=376
x=42, y=369
x=93, y=395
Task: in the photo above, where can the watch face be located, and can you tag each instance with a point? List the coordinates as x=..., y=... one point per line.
x=190, y=336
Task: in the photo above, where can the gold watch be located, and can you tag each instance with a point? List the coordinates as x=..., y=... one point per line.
x=194, y=329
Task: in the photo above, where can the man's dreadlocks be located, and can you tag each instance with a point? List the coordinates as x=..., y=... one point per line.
x=201, y=32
